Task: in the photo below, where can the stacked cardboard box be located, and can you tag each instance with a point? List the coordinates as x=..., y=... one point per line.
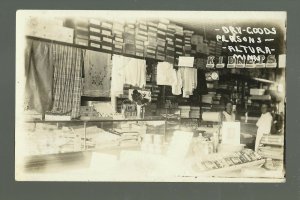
x=81, y=33
x=212, y=48
x=129, y=39
x=161, y=39
x=184, y=111
x=179, y=41
x=118, y=42
x=141, y=35
x=195, y=112
x=52, y=29
x=106, y=35
x=197, y=44
x=95, y=33
x=151, y=43
x=218, y=48
x=187, y=42
x=170, y=44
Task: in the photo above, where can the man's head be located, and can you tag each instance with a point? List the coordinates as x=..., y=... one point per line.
x=228, y=107
x=264, y=108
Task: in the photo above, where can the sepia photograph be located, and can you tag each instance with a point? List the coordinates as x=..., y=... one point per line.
x=150, y=96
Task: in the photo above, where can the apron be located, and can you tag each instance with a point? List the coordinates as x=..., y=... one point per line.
x=264, y=124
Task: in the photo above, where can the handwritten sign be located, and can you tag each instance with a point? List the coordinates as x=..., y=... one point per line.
x=247, y=47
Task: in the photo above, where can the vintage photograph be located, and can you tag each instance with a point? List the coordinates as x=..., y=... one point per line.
x=150, y=96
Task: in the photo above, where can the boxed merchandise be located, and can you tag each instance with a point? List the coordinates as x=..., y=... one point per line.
x=93, y=30
x=96, y=38
x=129, y=38
x=129, y=48
x=95, y=44
x=82, y=42
x=107, y=25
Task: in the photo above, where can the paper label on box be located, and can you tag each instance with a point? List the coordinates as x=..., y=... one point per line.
x=95, y=45
x=118, y=46
x=107, y=39
x=105, y=32
x=96, y=30
x=106, y=25
x=106, y=47
x=152, y=29
x=118, y=39
x=95, y=21
x=96, y=38
x=185, y=61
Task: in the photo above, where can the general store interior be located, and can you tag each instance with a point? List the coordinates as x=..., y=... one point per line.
x=133, y=95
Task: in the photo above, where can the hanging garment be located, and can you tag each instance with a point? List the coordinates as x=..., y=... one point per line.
x=39, y=76
x=117, y=75
x=189, y=81
x=97, y=71
x=264, y=125
x=166, y=75
x=177, y=86
x=67, y=83
x=135, y=72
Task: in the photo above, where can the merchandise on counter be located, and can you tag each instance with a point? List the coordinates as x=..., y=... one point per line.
x=226, y=161
x=179, y=144
x=211, y=116
x=97, y=72
x=49, y=117
x=271, y=152
x=184, y=111
x=260, y=97
x=273, y=140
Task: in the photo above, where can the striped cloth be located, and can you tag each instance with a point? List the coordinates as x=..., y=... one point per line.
x=67, y=82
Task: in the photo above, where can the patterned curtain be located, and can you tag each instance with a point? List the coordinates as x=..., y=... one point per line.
x=67, y=82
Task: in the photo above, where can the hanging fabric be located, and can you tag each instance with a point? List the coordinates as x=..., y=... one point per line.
x=166, y=75
x=177, y=86
x=39, y=76
x=97, y=71
x=117, y=74
x=189, y=80
x=135, y=72
x=127, y=70
x=67, y=83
